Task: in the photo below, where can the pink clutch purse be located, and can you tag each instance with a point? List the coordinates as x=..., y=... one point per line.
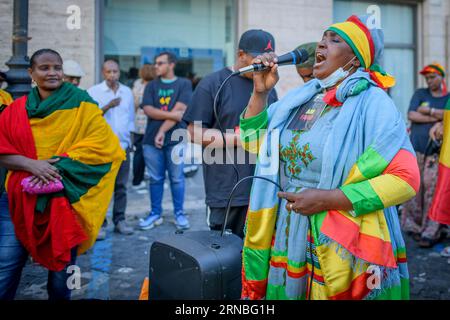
x=51, y=187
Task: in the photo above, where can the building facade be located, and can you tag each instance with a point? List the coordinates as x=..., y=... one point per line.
x=204, y=33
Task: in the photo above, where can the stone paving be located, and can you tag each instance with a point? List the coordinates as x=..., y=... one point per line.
x=116, y=267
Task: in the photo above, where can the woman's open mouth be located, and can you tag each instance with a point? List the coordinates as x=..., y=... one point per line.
x=320, y=59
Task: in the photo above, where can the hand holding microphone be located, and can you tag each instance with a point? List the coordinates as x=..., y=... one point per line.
x=265, y=80
x=267, y=64
x=267, y=76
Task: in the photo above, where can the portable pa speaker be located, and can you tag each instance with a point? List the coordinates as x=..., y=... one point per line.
x=196, y=266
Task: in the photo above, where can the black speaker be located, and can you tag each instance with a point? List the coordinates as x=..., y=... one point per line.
x=198, y=265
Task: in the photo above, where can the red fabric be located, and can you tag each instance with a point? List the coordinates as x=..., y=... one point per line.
x=404, y=165
x=49, y=236
x=363, y=246
x=330, y=98
x=440, y=207
x=374, y=77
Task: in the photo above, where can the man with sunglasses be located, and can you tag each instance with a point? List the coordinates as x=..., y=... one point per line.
x=164, y=102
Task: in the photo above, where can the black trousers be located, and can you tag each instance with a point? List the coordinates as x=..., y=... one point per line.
x=120, y=191
x=235, y=221
x=138, y=159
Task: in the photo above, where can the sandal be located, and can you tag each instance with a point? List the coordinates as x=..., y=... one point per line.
x=414, y=235
x=426, y=243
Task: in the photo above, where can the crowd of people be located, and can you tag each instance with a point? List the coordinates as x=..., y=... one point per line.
x=336, y=145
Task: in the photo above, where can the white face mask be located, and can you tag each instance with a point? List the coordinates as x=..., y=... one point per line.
x=336, y=76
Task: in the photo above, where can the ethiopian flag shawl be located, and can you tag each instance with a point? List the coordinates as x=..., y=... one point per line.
x=368, y=140
x=5, y=99
x=440, y=207
x=68, y=125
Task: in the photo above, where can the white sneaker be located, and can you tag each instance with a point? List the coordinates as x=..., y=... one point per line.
x=142, y=185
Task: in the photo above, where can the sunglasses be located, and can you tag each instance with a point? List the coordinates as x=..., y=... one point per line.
x=160, y=63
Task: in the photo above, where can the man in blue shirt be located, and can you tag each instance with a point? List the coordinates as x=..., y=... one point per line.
x=164, y=102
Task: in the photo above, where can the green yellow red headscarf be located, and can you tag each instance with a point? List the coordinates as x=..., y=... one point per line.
x=368, y=46
x=438, y=69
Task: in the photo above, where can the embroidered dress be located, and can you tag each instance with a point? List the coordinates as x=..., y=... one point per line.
x=300, y=167
x=362, y=149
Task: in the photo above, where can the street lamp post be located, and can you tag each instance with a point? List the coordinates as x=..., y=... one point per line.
x=19, y=82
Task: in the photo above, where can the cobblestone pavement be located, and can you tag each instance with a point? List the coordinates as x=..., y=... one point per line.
x=116, y=267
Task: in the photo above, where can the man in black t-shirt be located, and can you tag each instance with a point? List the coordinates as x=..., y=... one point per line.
x=164, y=102
x=220, y=176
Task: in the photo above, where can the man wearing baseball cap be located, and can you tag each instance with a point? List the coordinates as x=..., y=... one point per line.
x=305, y=69
x=72, y=72
x=220, y=178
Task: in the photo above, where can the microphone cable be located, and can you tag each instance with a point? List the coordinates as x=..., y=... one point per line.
x=239, y=181
x=219, y=124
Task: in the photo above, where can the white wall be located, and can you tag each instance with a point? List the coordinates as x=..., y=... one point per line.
x=47, y=28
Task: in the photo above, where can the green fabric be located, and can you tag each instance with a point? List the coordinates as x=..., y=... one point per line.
x=3, y=172
x=65, y=97
x=447, y=106
x=363, y=197
x=260, y=121
x=278, y=253
x=316, y=223
x=279, y=293
x=400, y=292
x=377, y=68
x=398, y=251
x=77, y=179
x=371, y=164
x=253, y=262
x=350, y=43
x=252, y=128
x=359, y=87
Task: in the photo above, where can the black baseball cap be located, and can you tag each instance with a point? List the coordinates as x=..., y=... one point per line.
x=256, y=42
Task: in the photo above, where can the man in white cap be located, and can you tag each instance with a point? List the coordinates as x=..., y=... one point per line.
x=72, y=72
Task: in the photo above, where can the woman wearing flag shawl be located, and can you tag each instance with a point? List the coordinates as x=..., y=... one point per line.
x=440, y=206
x=426, y=109
x=340, y=150
x=57, y=132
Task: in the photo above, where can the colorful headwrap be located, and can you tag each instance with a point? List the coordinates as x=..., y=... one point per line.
x=367, y=44
x=438, y=69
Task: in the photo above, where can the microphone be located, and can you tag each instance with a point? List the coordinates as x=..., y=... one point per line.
x=294, y=57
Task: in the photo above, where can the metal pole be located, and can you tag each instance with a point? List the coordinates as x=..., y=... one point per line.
x=19, y=82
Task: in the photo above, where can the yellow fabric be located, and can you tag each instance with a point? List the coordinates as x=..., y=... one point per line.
x=257, y=222
x=354, y=175
x=444, y=158
x=374, y=223
x=254, y=144
x=5, y=98
x=338, y=271
x=85, y=136
x=391, y=189
x=359, y=39
x=387, y=81
x=290, y=268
